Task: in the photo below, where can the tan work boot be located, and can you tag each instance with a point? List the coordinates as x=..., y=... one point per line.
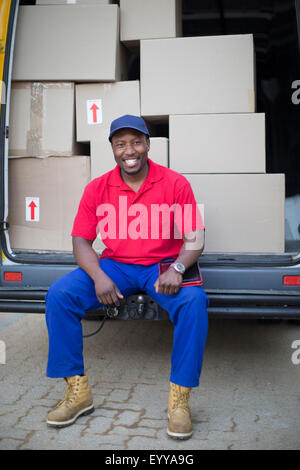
x=76, y=402
x=180, y=423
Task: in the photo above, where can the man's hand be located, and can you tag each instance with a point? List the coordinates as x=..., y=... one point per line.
x=106, y=290
x=169, y=282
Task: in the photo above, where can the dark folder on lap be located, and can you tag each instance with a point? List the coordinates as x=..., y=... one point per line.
x=191, y=277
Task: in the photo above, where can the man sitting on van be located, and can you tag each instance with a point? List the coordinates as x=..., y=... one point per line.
x=122, y=206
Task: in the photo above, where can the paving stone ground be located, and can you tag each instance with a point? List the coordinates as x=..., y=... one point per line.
x=249, y=396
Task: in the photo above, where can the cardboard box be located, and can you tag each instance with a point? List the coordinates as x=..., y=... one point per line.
x=72, y=2
x=98, y=104
x=195, y=75
x=243, y=213
x=68, y=42
x=102, y=158
x=42, y=119
x=159, y=150
x=46, y=192
x=144, y=19
x=218, y=143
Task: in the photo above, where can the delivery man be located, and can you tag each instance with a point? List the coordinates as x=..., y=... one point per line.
x=124, y=207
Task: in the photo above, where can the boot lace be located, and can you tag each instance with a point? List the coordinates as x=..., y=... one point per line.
x=180, y=399
x=72, y=391
x=70, y=394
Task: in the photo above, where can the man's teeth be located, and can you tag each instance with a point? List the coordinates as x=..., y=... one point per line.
x=131, y=162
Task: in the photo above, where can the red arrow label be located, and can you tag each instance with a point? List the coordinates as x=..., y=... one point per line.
x=94, y=108
x=32, y=206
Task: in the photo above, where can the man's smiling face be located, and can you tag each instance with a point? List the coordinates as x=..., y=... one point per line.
x=130, y=149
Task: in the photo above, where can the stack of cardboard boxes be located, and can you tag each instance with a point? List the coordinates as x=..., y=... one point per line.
x=205, y=86
x=56, y=46
x=70, y=81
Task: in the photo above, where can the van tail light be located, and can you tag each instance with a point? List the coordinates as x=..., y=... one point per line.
x=12, y=276
x=291, y=280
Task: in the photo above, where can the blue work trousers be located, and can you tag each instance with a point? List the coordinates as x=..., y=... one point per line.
x=71, y=295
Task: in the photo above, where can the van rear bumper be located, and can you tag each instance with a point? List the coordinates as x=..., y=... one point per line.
x=227, y=304
x=235, y=290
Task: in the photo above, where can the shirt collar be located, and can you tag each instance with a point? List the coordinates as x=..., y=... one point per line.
x=154, y=174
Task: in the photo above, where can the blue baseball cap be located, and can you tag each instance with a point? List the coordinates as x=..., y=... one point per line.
x=128, y=122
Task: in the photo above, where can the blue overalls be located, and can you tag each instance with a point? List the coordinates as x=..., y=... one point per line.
x=70, y=296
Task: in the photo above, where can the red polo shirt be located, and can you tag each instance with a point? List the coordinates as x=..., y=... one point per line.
x=143, y=227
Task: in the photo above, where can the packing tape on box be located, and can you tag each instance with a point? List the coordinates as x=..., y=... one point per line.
x=35, y=133
x=38, y=118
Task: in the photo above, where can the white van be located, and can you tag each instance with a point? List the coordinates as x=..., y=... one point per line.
x=241, y=283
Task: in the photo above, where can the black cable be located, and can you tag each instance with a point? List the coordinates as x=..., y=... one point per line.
x=98, y=329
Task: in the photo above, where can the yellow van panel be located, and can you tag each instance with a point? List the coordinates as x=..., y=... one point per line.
x=4, y=18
